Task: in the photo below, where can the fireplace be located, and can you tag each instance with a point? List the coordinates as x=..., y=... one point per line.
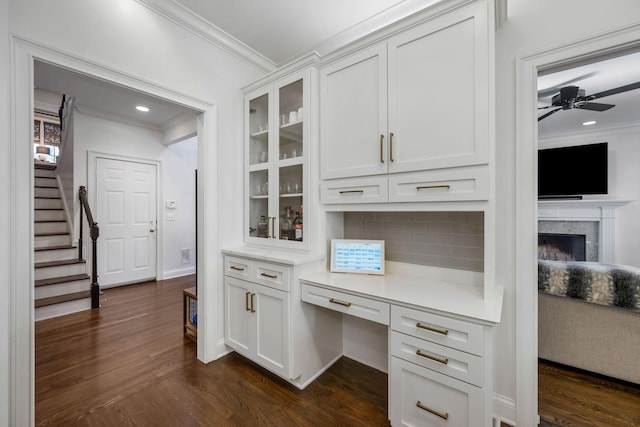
x=562, y=247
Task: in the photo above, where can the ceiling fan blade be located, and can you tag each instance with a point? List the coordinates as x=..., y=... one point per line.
x=548, y=106
x=548, y=114
x=614, y=91
x=594, y=106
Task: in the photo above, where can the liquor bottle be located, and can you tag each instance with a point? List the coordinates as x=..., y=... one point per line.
x=292, y=230
x=297, y=225
x=285, y=224
x=262, y=226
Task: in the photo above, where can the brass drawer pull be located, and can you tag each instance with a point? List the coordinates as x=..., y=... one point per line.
x=437, y=359
x=351, y=191
x=444, y=416
x=233, y=267
x=429, y=187
x=270, y=276
x=335, y=301
x=427, y=328
x=253, y=310
x=391, y=146
x=381, y=148
x=273, y=227
x=246, y=301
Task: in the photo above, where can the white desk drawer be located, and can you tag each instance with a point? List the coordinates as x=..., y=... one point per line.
x=373, y=189
x=237, y=267
x=452, y=333
x=458, y=364
x=421, y=397
x=272, y=275
x=443, y=185
x=365, y=308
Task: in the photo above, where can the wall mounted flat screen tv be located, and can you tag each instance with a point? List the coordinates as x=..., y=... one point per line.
x=573, y=171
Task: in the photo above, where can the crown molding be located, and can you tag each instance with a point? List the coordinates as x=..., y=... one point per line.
x=204, y=29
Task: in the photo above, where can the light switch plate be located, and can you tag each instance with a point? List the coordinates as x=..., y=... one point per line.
x=171, y=217
x=171, y=204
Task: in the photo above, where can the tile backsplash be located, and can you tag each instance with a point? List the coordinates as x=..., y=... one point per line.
x=439, y=239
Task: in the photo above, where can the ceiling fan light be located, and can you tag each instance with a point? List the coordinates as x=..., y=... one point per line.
x=589, y=123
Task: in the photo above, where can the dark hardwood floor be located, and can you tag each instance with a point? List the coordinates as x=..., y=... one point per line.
x=567, y=397
x=128, y=364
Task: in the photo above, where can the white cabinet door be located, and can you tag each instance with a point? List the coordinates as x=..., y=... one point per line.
x=257, y=324
x=277, y=143
x=353, y=113
x=421, y=397
x=439, y=92
x=272, y=329
x=239, y=324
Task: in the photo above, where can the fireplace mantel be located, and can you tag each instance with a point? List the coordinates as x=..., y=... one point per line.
x=601, y=210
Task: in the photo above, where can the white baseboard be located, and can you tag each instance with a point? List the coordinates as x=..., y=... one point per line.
x=504, y=410
x=178, y=272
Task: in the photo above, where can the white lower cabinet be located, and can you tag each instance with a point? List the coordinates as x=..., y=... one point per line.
x=421, y=397
x=438, y=371
x=257, y=323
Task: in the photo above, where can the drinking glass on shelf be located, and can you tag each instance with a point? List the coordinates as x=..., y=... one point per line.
x=258, y=190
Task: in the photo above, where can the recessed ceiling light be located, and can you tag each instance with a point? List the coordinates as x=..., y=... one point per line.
x=142, y=108
x=589, y=123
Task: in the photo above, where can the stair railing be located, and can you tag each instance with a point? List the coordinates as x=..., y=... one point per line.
x=95, y=233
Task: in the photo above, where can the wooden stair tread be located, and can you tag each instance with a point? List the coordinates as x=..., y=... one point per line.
x=48, y=209
x=53, y=233
x=62, y=279
x=47, y=197
x=43, y=166
x=62, y=298
x=54, y=248
x=57, y=263
x=49, y=220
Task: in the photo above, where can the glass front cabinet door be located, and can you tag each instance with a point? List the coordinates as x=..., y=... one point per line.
x=276, y=150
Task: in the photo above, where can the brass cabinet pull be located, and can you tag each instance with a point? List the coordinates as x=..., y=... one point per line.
x=444, y=416
x=381, y=148
x=427, y=187
x=270, y=276
x=233, y=267
x=351, y=191
x=335, y=301
x=273, y=227
x=428, y=356
x=391, y=146
x=246, y=301
x=253, y=310
x=437, y=331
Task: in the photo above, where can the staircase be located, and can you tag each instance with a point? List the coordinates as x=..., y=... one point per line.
x=61, y=283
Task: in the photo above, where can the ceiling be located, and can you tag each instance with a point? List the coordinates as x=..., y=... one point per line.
x=593, y=78
x=281, y=30
x=104, y=98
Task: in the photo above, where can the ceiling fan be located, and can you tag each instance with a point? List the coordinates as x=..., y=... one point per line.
x=573, y=97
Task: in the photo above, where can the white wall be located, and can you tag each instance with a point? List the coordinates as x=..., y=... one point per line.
x=180, y=160
x=5, y=189
x=532, y=26
x=624, y=182
x=178, y=163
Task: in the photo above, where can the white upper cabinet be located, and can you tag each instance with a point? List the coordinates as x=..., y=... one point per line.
x=417, y=101
x=438, y=93
x=276, y=173
x=353, y=117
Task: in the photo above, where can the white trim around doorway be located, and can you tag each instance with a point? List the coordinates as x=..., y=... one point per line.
x=21, y=314
x=527, y=69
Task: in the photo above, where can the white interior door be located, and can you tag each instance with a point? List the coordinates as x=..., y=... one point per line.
x=126, y=194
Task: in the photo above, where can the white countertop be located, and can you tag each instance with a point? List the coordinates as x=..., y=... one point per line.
x=434, y=293
x=274, y=255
